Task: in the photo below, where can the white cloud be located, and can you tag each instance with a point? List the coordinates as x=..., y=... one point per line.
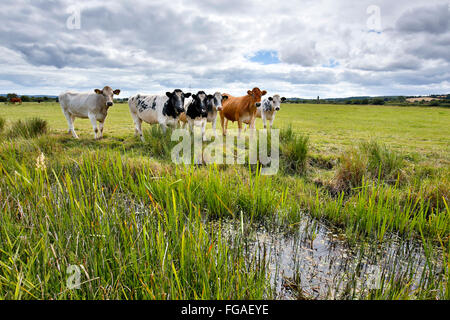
x=324, y=47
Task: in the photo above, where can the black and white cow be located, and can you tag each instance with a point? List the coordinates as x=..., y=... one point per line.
x=195, y=115
x=214, y=105
x=162, y=109
x=196, y=112
x=268, y=108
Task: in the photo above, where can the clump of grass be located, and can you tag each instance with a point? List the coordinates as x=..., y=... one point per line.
x=378, y=209
x=2, y=124
x=435, y=193
x=28, y=128
x=381, y=161
x=370, y=160
x=293, y=151
x=133, y=236
x=158, y=143
x=351, y=171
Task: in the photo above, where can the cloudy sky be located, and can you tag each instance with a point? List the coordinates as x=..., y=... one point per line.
x=301, y=48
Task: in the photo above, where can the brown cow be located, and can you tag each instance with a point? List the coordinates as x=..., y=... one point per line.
x=241, y=109
x=14, y=100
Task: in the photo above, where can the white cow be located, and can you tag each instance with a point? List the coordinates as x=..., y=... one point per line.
x=87, y=105
x=268, y=108
x=162, y=109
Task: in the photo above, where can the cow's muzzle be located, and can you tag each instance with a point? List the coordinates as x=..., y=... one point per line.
x=109, y=104
x=258, y=104
x=277, y=109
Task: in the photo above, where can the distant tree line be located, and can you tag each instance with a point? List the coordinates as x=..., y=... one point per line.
x=444, y=100
x=26, y=98
x=6, y=98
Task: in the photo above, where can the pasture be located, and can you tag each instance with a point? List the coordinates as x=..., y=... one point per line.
x=362, y=191
x=422, y=132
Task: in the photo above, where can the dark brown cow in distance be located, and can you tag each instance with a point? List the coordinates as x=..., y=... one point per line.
x=14, y=100
x=241, y=109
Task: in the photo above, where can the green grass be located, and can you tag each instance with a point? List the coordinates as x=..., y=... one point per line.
x=28, y=128
x=2, y=124
x=142, y=228
x=423, y=132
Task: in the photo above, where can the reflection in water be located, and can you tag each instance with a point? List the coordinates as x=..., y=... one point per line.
x=315, y=262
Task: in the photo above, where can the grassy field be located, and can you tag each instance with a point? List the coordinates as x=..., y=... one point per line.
x=419, y=131
x=364, y=178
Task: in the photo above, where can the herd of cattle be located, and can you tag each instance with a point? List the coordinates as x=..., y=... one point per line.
x=172, y=109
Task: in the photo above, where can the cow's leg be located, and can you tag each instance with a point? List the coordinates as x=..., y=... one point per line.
x=240, y=127
x=226, y=125
x=214, y=122
x=222, y=121
x=264, y=121
x=163, y=127
x=100, y=128
x=70, y=118
x=137, y=126
x=252, y=125
x=204, y=129
x=271, y=122
x=94, y=124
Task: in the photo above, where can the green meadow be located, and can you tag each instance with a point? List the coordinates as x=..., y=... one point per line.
x=369, y=185
x=419, y=131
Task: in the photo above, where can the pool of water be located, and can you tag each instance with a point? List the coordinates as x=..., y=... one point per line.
x=313, y=261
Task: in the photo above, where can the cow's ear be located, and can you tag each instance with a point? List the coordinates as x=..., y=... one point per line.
x=209, y=96
x=249, y=92
x=169, y=94
x=194, y=96
x=187, y=95
x=98, y=91
x=116, y=92
x=224, y=98
x=283, y=99
x=264, y=92
x=270, y=99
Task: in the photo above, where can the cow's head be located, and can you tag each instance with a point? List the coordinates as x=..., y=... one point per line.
x=214, y=101
x=256, y=95
x=199, y=103
x=108, y=94
x=275, y=102
x=175, y=103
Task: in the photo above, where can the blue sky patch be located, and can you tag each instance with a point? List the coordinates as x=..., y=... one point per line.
x=265, y=57
x=331, y=64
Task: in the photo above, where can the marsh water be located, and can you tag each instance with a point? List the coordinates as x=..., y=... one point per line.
x=313, y=261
